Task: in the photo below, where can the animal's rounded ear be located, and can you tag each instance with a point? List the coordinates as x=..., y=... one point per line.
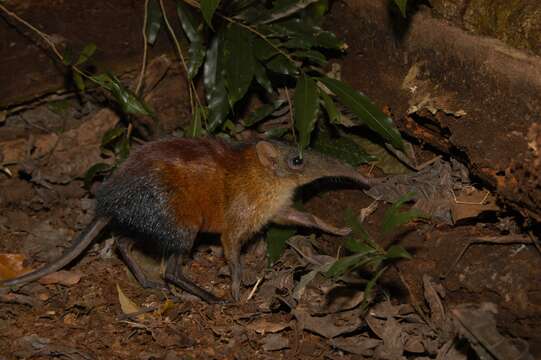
x=267, y=154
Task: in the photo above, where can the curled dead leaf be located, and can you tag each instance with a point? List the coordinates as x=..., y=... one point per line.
x=263, y=326
x=126, y=304
x=62, y=277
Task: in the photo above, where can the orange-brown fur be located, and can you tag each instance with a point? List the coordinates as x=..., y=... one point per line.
x=170, y=190
x=235, y=195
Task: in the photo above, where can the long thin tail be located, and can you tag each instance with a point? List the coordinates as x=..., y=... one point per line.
x=79, y=245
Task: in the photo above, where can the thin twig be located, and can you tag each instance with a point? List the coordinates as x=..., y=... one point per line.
x=291, y=122
x=502, y=240
x=46, y=38
x=534, y=241
x=309, y=258
x=196, y=4
x=145, y=51
x=173, y=36
x=191, y=86
x=482, y=202
x=254, y=289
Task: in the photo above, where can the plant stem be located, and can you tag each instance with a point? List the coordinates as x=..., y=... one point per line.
x=46, y=38
x=196, y=4
x=191, y=86
x=145, y=51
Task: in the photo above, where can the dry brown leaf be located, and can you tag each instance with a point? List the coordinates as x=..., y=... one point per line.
x=471, y=202
x=274, y=342
x=126, y=304
x=11, y=265
x=477, y=323
x=62, y=277
x=263, y=326
x=331, y=325
x=71, y=152
x=358, y=345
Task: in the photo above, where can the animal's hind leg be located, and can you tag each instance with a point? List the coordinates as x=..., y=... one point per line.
x=173, y=275
x=124, y=246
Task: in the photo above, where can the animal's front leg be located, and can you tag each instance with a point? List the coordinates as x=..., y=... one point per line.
x=290, y=216
x=232, y=246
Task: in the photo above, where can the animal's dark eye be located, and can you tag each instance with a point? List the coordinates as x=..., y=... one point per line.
x=296, y=162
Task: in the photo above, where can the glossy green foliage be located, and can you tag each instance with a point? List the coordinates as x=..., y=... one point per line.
x=365, y=110
x=208, y=7
x=214, y=80
x=340, y=147
x=365, y=252
x=115, y=144
x=127, y=100
x=402, y=6
x=395, y=217
x=154, y=21
x=192, y=27
x=276, y=242
x=253, y=46
x=239, y=61
x=305, y=107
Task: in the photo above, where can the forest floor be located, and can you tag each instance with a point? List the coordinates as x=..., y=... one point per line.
x=473, y=275
x=471, y=289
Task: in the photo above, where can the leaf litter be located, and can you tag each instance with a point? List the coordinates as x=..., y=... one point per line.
x=294, y=309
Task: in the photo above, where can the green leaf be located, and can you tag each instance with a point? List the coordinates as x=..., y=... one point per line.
x=345, y=264
x=59, y=107
x=356, y=227
x=369, y=289
x=122, y=149
x=305, y=108
x=196, y=54
x=111, y=135
x=129, y=102
x=384, y=160
x=192, y=28
x=284, y=8
x=93, y=171
x=343, y=148
x=251, y=14
x=281, y=65
x=397, y=252
x=79, y=81
x=208, y=7
x=261, y=77
x=330, y=107
x=87, y=52
x=196, y=127
x=299, y=33
x=239, y=61
x=262, y=49
x=311, y=56
x=262, y=112
x=236, y=6
x=275, y=133
x=276, y=241
x=154, y=21
x=216, y=92
x=365, y=110
x=356, y=246
x=402, y=6
x=394, y=218
x=68, y=57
